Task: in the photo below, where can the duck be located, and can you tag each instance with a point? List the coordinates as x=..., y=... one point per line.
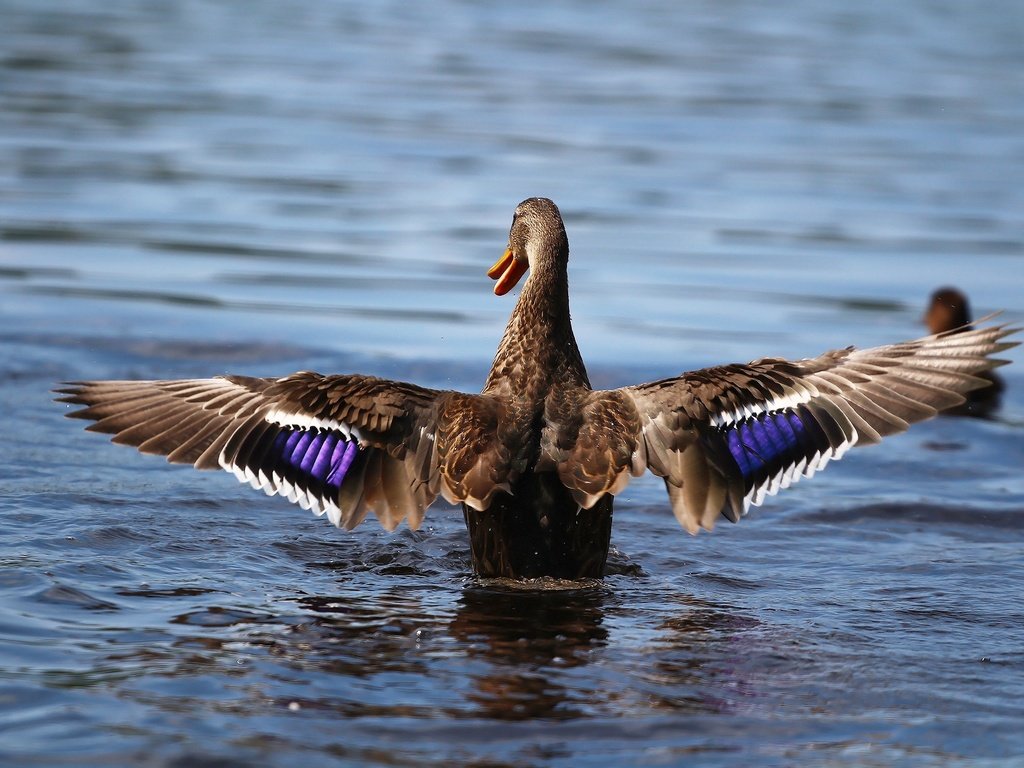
x=949, y=311
x=537, y=457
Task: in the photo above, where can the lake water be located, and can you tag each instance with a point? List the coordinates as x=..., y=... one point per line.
x=201, y=187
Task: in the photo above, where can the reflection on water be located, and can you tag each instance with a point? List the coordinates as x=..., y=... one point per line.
x=527, y=638
x=702, y=650
x=509, y=654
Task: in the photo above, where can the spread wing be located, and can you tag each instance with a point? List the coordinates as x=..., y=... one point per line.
x=725, y=437
x=343, y=445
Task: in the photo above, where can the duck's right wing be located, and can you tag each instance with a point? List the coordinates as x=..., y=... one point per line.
x=343, y=445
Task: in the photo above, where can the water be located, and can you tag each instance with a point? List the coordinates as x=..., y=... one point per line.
x=193, y=188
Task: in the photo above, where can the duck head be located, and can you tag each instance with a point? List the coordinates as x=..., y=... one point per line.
x=537, y=237
x=947, y=310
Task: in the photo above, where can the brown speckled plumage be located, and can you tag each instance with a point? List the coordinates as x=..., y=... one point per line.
x=537, y=457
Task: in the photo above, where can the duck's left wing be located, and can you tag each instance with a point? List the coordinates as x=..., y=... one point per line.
x=342, y=444
x=725, y=437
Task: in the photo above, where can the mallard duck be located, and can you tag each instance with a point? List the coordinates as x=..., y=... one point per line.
x=538, y=456
x=949, y=312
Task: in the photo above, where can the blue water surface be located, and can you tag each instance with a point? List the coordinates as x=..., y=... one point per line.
x=195, y=188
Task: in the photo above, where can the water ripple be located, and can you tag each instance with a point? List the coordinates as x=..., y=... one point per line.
x=194, y=189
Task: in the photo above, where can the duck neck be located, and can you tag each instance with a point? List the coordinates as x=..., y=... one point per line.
x=539, y=350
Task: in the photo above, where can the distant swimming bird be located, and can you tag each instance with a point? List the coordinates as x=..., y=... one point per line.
x=536, y=458
x=948, y=311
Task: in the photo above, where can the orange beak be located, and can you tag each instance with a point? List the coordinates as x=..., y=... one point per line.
x=507, y=270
